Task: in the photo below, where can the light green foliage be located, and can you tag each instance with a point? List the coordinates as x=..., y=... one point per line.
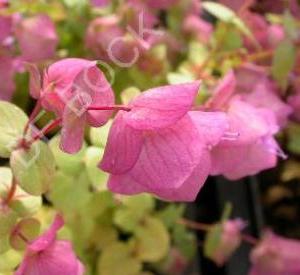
x=12, y=123
x=294, y=138
x=9, y=261
x=212, y=240
x=128, y=94
x=152, y=240
x=118, y=259
x=8, y=219
x=69, y=164
x=25, y=231
x=283, y=62
x=98, y=136
x=34, y=169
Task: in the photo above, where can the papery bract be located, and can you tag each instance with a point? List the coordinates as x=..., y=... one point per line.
x=48, y=256
x=37, y=38
x=275, y=255
x=160, y=147
x=231, y=239
x=7, y=72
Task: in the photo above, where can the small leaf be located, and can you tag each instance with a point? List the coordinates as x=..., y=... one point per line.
x=25, y=231
x=212, y=240
x=227, y=15
x=97, y=177
x=226, y=212
x=22, y=203
x=12, y=124
x=118, y=259
x=98, y=136
x=4, y=246
x=34, y=168
x=8, y=218
x=152, y=240
x=293, y=131
x=171, y=214
x=9, y=261
x=70, y=164
x=126, y=219
x=283, y=62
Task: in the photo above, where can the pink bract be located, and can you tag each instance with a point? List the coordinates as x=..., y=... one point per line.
x=231, y=239
x=37, y=38
x=48, y=256
x=160, y=147
x=275, y=255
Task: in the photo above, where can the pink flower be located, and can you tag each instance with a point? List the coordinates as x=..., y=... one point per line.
x=231, y=239
x=249, y=146
x=276, y=255
x=70, y=88
x=5, y=30
x=197, y=27
x=48, y=256
x=264, y=95
x=37, y=38
x=236, y=4
x=100, y=3
x=253, y=149
x=7, y=72
x=160, y=147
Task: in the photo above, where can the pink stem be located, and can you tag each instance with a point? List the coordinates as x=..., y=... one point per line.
x=33, y=115
x=107, y=108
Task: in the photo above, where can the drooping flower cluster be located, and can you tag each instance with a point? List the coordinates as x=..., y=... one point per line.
x=48, y=256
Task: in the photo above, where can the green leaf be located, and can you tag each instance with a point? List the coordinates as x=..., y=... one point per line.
x=178, y=78
x=293, y=131
x=12, y=124
x=97, y=177
x=69, y=195
x=118, y=259
x=290, y=25
x=227, y=15
x=226, y=212
x=283, y=62
x=25, y=231
x=9, y=261
x=33, y=169
x=152, y=240
x=8, y=219
x=104, y=236
x=98, y=136
x=171, y=214
x=126, y=219
x=4, y=246
x=212, y=240
x=22, y=203
x=184, y=240
x=70, y=164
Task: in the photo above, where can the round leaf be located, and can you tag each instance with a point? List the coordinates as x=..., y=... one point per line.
x=25, y=231
x=152, y=240
x=34, y=168
x=12, y=124
x=118, y=259
x=8, y=218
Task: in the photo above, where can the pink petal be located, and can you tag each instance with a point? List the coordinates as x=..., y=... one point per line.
x=211, y=126
x=161, y=107
x=72, y=133
x=123, y=147
x=223, y=92
x=35, y=81
x=58, y=259
x=95, y=90
x=47, y=238
x=235, y=162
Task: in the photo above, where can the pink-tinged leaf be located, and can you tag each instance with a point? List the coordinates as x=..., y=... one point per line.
x=161, y=107
x=223, y=92
x=93, y=88
x=235, y=162
x=123, y=147
x=47, y=238
x=212, y=126
x=35, y=80
x=73, y=126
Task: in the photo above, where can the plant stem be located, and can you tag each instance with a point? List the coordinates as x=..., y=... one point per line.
x=33, y=115
x=11, y=193
x=107, y=108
